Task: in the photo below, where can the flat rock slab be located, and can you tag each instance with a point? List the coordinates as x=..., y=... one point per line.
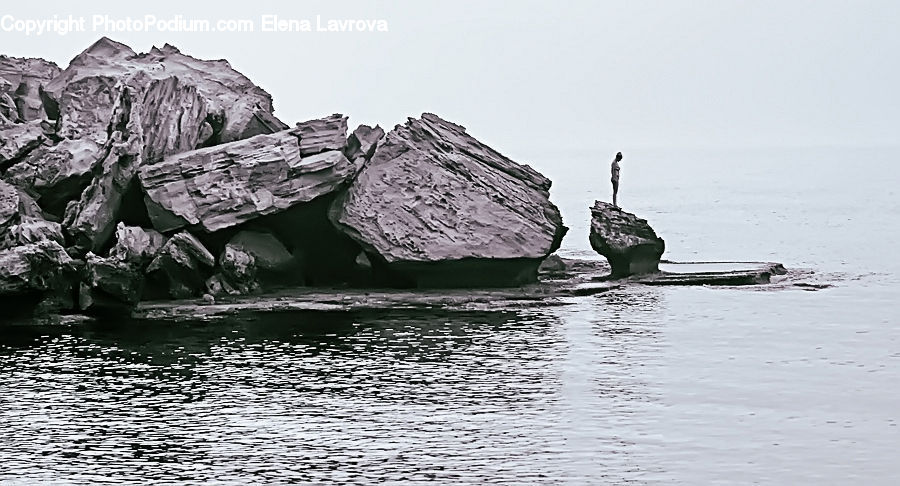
x=226, y=185
x=581, y=278
x=713, y=273
x=351, y=300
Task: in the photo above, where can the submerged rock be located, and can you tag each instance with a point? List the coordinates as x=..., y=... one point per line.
x=223, y=186
x=180, y=267
x=628, y=242
x=436, y=207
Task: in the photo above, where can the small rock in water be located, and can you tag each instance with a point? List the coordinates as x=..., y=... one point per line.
x=628, y=242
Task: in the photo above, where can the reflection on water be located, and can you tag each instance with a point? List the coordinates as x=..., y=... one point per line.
x=320, y=396
x=638, y=384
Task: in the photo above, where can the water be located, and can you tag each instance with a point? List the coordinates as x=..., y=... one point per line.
x=684, y=385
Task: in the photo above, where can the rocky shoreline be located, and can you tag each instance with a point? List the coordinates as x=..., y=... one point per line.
x=127, y=178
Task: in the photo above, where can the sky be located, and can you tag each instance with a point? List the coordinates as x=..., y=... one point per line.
x=552, y=75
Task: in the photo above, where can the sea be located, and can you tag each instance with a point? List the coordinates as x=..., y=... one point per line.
x=795, y=382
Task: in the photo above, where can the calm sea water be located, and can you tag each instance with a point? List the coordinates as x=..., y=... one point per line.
x=682, y=385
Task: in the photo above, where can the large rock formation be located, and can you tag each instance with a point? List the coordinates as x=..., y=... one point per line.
x=628, y=242
x=119, y=142
x=189, y=102
x=436, y=207
x=221, y=187
x=114, y=110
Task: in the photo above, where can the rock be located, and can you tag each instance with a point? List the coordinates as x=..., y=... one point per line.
x=361, y=145
x=31, y=230
x=362, y=142
x=91, y=219
x=110, y=283
x=116, y=283
x=181, y=267
x=38, y=274
x=237, y=276
x=713, y=273
x=23, y=78
x=17, y=140
x=268, y=253
x=436, y=207
x=15, y=207
x=362, y=261
x=252, y=261
x=321, y=135
x=553, y=264
x=136, y=245
x=57, y=173
x=9, y=206
x=223, y=186
x=189, y=102
x=628, y=242
x=129, y=109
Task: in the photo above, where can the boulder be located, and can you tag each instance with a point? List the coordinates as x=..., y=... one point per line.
x=110, y=283
x=125, y=109
x=268, y=253
x=115, y=283
x=436, y=207
x=180, y=268
x=31, y=230
x=17, y=140
x=237, y=273
x=21, y=80
x=553, y=265
x=90, y=220
x=188, y=102
x=321, y=135
x=35, y=274
x=15, y=207
x=56, y=174
x=223, y=186
x=136, y=245
x=628, y=242
x=361, y=144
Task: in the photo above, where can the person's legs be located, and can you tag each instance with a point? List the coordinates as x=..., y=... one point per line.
x=615, y=185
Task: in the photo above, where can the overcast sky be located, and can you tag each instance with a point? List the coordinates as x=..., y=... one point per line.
x=527, y=75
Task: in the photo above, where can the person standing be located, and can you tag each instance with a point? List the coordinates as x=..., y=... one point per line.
x=615, y=178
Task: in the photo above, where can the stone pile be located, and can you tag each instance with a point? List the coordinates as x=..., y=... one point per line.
x=128, y=177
